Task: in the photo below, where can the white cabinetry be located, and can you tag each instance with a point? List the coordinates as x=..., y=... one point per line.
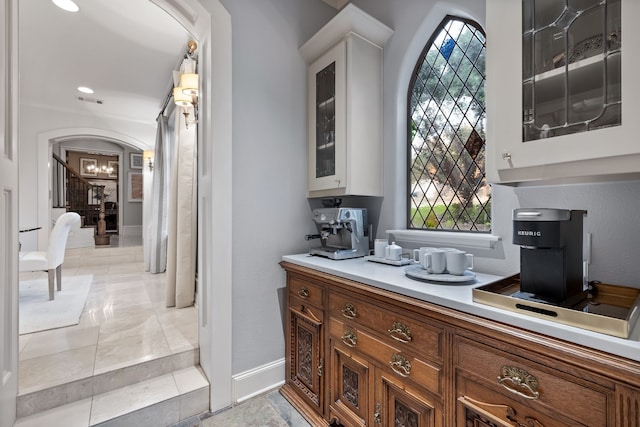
x=610, y=148
x=345, y=105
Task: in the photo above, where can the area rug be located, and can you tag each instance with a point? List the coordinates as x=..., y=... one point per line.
x=37, y=313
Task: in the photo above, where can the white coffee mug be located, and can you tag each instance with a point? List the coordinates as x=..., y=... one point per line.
x=379, y=245
x=458, y=262
x=418, y=254
x=393, y=252
x=434, y=261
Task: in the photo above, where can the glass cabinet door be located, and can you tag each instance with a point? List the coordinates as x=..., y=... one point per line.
x=325, y=110
x=571, y=66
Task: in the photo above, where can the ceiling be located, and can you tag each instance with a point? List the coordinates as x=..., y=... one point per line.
x=124, y=50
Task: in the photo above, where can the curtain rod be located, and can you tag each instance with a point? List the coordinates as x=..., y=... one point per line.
x=191, y=47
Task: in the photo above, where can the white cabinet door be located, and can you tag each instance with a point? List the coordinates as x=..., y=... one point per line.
x=604, y=151
x=327, y=120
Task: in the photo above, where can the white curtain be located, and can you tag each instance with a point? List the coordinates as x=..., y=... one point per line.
x=155, y=242
x=181, y=245
x=181, y=250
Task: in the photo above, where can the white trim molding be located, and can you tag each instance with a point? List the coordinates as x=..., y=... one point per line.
x=258, y=380
x=443, y=238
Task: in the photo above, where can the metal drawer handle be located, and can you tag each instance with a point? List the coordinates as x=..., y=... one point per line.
x=349, y=311
x=400, y=332
x=304, y=292
x=400, y=365
x=350, y=338
x=520, y=382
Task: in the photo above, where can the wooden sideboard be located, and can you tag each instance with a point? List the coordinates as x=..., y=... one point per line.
x=357, y=355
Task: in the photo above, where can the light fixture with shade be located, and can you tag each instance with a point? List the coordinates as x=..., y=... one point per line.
x=189, y=83
x=186, y=91
x=85, y=89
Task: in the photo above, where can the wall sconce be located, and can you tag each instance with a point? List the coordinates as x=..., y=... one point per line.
x=148, y=154
x=186, y=91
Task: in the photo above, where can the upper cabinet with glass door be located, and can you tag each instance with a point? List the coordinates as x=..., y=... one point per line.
x=345, y=105
x=562, y=89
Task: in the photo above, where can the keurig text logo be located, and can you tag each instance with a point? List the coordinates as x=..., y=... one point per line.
x=529, y=233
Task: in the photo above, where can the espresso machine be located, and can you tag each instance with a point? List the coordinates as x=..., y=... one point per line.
x=343, y=232
x=551, y=255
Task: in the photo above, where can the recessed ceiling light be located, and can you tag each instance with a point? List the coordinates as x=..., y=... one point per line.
x=85, y=89
x=67, y=5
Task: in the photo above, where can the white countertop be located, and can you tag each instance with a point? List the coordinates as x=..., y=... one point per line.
x=459, y=297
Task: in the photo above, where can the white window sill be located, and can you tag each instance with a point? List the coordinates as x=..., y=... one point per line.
x=442, y=238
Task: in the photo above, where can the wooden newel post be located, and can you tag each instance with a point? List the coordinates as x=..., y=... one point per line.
x=102, y=238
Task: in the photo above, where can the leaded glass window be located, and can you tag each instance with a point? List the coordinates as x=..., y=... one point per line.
x=446, y=132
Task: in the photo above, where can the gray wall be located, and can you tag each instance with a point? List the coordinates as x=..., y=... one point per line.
x=271, y=214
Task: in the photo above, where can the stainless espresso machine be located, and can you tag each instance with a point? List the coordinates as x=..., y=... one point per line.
x=551, y=255
x=343, y=232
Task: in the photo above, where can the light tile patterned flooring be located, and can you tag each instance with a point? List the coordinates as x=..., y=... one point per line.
x=124, y=322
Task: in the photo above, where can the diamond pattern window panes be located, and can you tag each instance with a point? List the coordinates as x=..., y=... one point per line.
x=446, y=132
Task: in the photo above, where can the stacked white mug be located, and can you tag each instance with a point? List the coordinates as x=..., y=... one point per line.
x=443, y=260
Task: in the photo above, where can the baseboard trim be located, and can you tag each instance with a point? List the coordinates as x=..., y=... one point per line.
x=258, y=380
x=132, y=230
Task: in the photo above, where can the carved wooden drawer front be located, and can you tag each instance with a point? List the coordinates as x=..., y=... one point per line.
x=306, y=291
x=401, y=331
x=391, y=357
x=535, y=385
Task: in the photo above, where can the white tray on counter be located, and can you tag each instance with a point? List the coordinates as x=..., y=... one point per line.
x=419, y=273
x=403, y=261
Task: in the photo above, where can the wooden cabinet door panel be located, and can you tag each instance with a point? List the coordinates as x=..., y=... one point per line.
x=305, y=358
x=350, y=382
x=399, y=404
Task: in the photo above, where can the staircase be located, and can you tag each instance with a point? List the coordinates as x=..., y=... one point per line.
x=73, y=193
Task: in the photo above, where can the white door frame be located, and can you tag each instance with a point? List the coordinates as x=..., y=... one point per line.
x=211, y=26
x=9, y=159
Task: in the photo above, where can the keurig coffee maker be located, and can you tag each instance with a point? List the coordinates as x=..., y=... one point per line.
x=551, y=255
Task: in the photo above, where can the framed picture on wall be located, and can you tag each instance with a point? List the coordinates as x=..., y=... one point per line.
x=134, y=187
x=113, y=167
x=135, y=160
x=110, y=191
x=88, y=167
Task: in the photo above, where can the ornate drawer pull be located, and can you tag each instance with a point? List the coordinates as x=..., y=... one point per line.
x=349, y=311
x=304, y=292
x=400, y=365
x=400, y=332
x=350, y=338
x=517, y=379
x=376, y=414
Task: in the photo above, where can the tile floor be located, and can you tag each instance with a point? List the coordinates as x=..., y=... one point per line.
x=124, y=321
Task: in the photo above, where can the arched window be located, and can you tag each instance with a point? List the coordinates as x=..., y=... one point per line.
x=446, y=132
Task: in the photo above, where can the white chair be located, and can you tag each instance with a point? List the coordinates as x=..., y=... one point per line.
x=51, y=260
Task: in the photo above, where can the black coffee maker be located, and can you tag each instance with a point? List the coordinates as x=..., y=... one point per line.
x=551, y=255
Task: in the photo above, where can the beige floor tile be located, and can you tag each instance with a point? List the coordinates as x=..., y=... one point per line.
x=55, y=369
x=122, y=401
x=130, y=350
x=75, y=414
x=182, y=337
x=59, y=340
x=189, y=379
